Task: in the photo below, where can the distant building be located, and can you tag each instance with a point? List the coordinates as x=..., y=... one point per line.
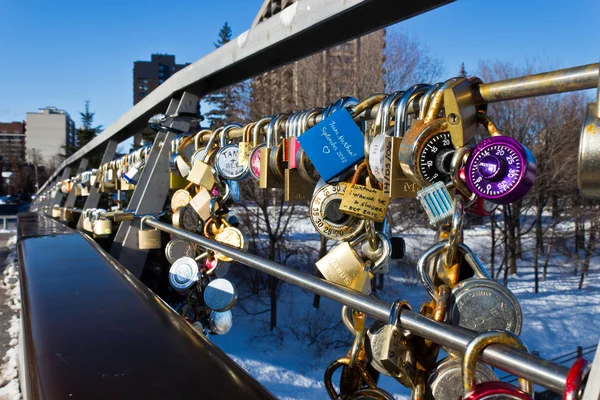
x=12, y=144
x=353, y=68
x=148, y=75
x=48, y=130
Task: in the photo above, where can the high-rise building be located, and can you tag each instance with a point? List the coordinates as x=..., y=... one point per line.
x=354, y=68
x=48, y=130
x=12, y=144
x=148, y=75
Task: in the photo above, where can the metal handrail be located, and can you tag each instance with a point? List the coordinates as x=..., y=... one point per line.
x=542, y=372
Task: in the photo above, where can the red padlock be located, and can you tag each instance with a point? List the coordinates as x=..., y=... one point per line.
x=481, y=207
x=576, y=379
x=494, y=389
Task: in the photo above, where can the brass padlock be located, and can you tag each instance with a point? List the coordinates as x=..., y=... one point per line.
x=395, y=182
x=176, y=181
x=254, y=158
x=56, y=212
x=148, y=239
x=124, y=185
x=101, y=226
x=588, y=162
x=87, y=221
x=343, y=265
x=362, y=201
x=246, y=146
x=268, y=179
x=202, y=173
x=226, y=234
x=201, y=203
x=397, y=353
x=296, y=188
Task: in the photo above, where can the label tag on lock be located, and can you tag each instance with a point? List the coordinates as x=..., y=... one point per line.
x=334, y=144
x=364, y=202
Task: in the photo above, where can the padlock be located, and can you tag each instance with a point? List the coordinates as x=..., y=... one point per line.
x=227, y=158
x=296, y=188
x=56, y=212
x=305, y=167
x=395, y=182
x=123, y=165
x=383, y=251
x=254, y=158
x=499, y=168
x=182, y=162
x=588, y=161
x=86, y=178
x=397, y=353
x=201, y=203
x=344, y=266
x=477, y=303
x=186, y=218
x=201, y=152
x=228, y=235
x=577, y=379
x=334, y=145
x=494, y=389
x=361, y=201
x=178, y=248
x=376, y=135
x=426, y=150
x=219, y=295
x=94, y=177
x=86, y=224
x=101, y=227
x=445, y=381
x=184, y=274
x=246, y=145
x=202, y=173
x=291, y=138
x=180, y=198
x=326, y=216
x=220, y=323
x=136, y=164
x=78, y=188
x=271, y=165
x=148, y=239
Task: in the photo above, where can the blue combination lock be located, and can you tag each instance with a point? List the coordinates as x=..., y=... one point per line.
x=334, y=144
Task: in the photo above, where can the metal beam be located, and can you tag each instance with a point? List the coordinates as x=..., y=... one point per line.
x=302, y=29
x=150, y=194
x=71, y=197
x=94, y=196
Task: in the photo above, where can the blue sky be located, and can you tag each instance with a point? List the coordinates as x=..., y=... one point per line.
x=59, y=53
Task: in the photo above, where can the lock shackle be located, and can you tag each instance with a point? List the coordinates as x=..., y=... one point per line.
x=210, y=144
x=437, y=101
x=272, y=128
x=247, y=132
x=198, y=138
x=256, y=130
x=456, y=228
x=386, y=107
x=225, y=133
x=437, y=249
x=310, y=113
x=360, y=170
x=289, y=128
x=458, y=161
x=401, y=117
x=385, y=242
x=426, y=100
x=477, y=345
x=488, y=124
x=144, y=219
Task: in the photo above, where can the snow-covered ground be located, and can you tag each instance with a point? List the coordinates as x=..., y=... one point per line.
x=290, y=361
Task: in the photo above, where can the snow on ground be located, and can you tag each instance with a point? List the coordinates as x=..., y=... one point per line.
x=9, y=383
x=556, y=320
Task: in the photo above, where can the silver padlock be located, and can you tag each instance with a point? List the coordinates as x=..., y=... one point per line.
x=381, y=256
x=219, y=323
x=220, y=295
x=397, y=355
x=178, y=248
x=184, y=274
x=588, y=165
x=445, y=382
x=477, y=303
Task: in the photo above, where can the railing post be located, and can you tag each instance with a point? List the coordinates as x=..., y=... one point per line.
x=94, y=196
x=71, y=197
x=151, y=191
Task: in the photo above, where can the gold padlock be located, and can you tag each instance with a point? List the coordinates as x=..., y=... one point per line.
x=201, y=173
x=268, y=179
x=176, y=181
x=362, y=201
x=180, y=198
x=245, y=146
x=395, y=182
x=101, y=226
x=87, y=221
x=56, y=212
x=343, y=265
x=221, y=231
x=123, y=167
x=201, y=203
x=148, y=239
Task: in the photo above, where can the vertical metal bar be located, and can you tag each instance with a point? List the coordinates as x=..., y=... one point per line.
x=71, y=197
x=162, y=139
x=4, y=223
x=154, y=193
x=94, y=196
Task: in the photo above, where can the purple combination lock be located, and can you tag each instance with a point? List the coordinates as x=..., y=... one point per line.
x=500, y=169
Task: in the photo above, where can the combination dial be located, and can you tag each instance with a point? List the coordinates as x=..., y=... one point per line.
x=436, y=157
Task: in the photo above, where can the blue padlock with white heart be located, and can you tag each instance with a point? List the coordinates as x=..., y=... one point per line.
x=333, y=145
